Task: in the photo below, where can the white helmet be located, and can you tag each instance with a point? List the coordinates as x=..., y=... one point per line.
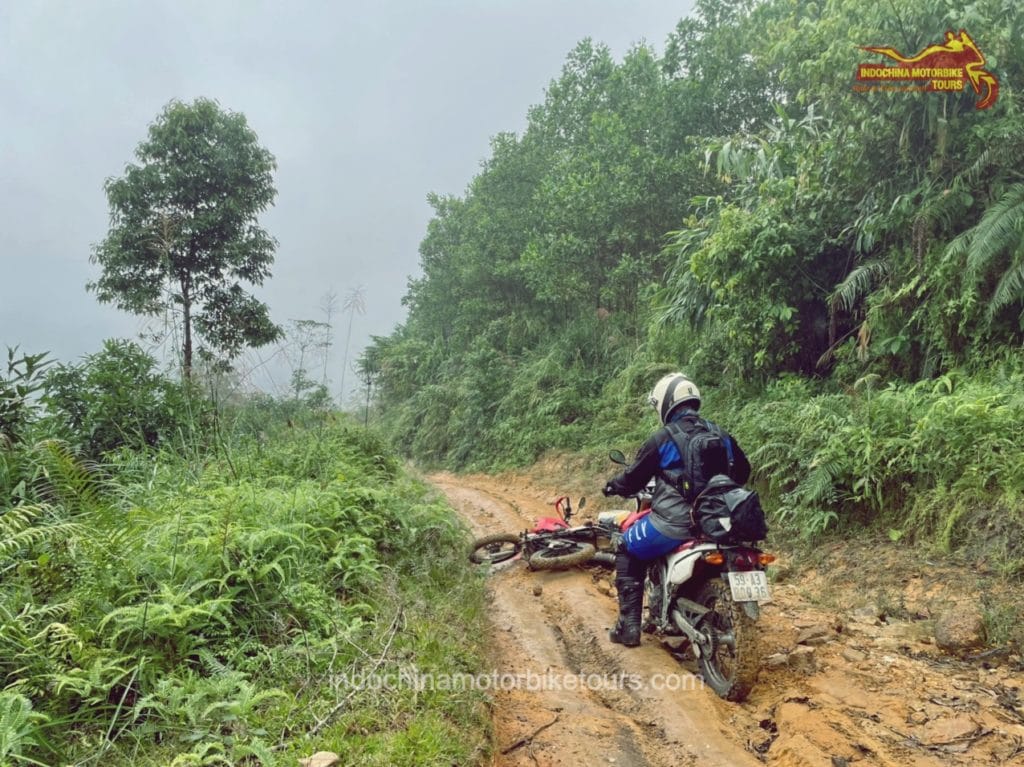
x=670, y=392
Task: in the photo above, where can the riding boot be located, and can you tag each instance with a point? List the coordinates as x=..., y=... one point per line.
x=631, y=600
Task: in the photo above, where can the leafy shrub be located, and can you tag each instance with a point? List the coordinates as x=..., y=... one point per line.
x=905, y=454
x=116, y=398
x=17, y=387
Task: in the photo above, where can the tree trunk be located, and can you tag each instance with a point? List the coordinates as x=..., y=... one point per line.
x=366, y=413
x=186, y=312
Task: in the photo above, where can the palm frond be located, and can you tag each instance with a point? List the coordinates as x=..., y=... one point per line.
x=958, y=246
x=972, y=174
x=1010, y=288
x=857, y=284
x=943, y=207
x=1000, y=228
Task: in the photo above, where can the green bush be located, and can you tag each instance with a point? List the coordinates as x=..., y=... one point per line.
x=916, y=457
x=17, y=389
x=116, y=398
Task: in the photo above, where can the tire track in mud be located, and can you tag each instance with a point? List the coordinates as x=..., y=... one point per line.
x=591, y=701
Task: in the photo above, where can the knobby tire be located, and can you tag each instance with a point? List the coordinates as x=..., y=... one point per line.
x=491, y=549
x=544, y=560
x=743, y=656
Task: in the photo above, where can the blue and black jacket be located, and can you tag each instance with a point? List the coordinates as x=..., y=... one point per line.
x=659, y=457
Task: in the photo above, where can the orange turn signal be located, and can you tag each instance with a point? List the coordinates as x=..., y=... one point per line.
x=765, y=559
x=714, y=558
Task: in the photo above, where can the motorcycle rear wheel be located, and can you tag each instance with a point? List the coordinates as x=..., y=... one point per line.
x=562, y=558
x=492, y=549
x=732, y=666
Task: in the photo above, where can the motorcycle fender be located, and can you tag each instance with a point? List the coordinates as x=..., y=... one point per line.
x=549, y=525
x=680, y=564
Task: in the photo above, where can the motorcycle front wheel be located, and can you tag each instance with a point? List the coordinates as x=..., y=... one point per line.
x=731, y=668
x=561, y=555
x=492, y=549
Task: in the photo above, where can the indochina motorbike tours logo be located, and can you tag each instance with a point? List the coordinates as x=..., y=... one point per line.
x=943, y=68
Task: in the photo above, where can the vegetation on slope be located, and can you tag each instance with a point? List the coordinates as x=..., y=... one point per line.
x=216, y=606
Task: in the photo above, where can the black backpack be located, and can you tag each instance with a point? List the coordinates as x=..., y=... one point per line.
x=704, y=452
x=727, y=513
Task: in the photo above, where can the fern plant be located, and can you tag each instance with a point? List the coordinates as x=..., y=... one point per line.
x=25, y=527
x=62, y=477
x=20, y=729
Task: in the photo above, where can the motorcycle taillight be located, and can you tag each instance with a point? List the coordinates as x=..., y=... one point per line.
x=745, y=559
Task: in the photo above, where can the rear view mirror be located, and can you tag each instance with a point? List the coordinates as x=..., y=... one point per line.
x=583, y=502
x=618, y=457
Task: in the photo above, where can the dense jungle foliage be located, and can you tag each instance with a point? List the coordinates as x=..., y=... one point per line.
x=842, y=272
x=184, y=583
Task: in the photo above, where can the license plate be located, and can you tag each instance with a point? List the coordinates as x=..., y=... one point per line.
x=750, y=586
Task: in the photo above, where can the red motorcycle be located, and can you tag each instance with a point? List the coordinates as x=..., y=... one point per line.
x=552, y=544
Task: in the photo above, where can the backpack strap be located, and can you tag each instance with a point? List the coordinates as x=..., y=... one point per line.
x=679, y=433
x=729, y=451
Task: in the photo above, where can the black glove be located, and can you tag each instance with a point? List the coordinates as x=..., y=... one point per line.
x=609, y=490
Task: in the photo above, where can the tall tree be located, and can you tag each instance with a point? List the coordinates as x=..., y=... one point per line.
x=184, y=234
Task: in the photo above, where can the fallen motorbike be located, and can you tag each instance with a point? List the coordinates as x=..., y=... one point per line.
x=707, y=593
x=552, y=544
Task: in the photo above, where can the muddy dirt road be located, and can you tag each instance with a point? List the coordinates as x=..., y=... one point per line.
x=841, y=684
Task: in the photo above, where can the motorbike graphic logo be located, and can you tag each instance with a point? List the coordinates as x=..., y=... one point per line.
x=945, y=67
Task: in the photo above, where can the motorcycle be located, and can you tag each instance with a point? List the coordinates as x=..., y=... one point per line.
x=552, y=544
x=707, y=593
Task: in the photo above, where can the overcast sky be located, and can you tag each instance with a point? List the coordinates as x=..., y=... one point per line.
x=366, y=106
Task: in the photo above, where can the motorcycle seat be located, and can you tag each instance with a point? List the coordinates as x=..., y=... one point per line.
x=633, y=518
x=686, y=545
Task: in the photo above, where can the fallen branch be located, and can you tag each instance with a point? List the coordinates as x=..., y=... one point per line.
x=962, y=743
x=529, y=738
x=378, y=662
x=995, y=652
x=376, y=665
x=966, y=741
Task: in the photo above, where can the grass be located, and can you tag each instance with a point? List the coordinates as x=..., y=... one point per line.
x=217, y=612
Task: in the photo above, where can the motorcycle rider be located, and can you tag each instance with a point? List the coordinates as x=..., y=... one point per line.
x=676, y=399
